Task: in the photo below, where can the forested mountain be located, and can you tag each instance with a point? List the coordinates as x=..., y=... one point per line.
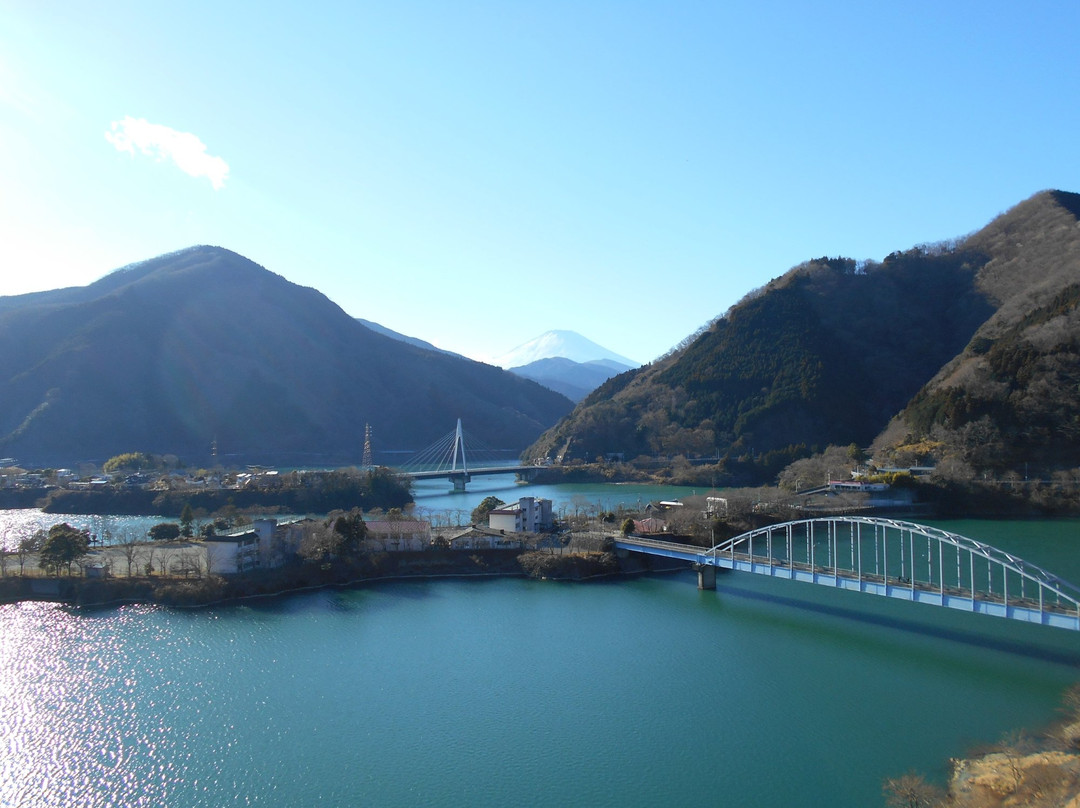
x=1011, y=398
x=831, y=350
x=202, y=345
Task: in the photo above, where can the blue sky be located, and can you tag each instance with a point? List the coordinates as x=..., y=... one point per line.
x=475, y=174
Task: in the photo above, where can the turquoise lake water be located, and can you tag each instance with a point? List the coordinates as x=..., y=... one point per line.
x=495, y=692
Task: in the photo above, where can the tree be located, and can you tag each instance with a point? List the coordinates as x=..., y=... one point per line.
x=319, y=542
x=811, y=472
x=164, y=531
x=187, y=516
x=129, y=461
x=64, y=546
x=188, y=565
x=130, y=548
x=911, y=791
x=27, y=547
x=149, y=553
x=352, y=530
x=481, y=511
x=628, y=526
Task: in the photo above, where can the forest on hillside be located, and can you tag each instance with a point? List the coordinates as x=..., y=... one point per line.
x=824, y=355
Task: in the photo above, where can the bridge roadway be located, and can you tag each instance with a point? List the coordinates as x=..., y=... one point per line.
x=473, y=472
x=461, y=476
x=724, y=556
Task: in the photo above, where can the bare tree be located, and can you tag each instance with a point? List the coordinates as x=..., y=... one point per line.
x=129, y=546
x=912, y=791
x=149, y=552
x=319, y=542
x=187, y=564
x=210, y=559
x=167, y=556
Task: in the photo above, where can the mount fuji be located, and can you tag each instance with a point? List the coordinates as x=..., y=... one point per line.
x=566, y=344
x=566, y=362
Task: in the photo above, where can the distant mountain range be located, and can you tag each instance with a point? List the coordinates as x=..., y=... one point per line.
x=965, y=354
x=203, y=347
x=566, y=362
x=973, y=346
x=574, y=379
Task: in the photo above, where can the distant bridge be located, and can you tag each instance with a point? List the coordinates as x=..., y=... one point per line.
x=446, y=458
x=902, y=560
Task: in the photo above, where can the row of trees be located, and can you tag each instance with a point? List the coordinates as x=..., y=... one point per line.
x=59, y=549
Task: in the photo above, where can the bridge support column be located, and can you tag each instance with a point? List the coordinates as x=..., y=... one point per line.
x=706, y=576
x=459, y=482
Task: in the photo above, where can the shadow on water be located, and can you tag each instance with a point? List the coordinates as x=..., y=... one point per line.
x=922, y=627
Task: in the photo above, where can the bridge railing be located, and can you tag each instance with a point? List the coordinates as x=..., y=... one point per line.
x=902, y=554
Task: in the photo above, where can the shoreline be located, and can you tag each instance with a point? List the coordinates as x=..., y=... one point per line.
x=1043, y=763
x=215, y=590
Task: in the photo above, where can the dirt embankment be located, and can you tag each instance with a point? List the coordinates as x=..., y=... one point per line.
x=1031, y=771
x=1044, y=779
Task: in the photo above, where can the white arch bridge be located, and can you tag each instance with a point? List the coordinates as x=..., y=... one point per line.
x=887, y=557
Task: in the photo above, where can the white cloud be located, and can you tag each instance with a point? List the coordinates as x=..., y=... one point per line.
x=183, y=148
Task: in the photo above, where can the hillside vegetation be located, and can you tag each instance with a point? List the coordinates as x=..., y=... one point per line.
x=824, y=354
x=1012, y=396
x=974, y=342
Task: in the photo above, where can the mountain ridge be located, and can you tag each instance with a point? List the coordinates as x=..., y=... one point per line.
x=831, y=350
x=174, y=353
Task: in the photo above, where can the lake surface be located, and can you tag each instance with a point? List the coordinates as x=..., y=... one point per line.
x=568, y=499
x=494, y=692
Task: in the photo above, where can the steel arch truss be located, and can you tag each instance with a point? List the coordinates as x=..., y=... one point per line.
x=903, y=560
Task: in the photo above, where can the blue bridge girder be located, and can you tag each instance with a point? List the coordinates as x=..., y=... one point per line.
x=892, y=558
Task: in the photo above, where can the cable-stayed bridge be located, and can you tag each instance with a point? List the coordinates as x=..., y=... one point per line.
x=896, y=559
x=459, y=457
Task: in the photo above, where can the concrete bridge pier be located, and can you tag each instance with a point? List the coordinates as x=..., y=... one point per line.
x=459, y=482
x=706, y=576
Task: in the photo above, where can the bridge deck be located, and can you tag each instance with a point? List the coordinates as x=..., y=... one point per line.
x=902, y=588
x=477, y=472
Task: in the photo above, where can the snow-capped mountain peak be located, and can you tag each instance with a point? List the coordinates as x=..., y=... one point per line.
x=567, y=344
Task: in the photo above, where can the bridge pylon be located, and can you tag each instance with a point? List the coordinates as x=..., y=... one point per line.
x=459, y=446
x=706, y=576
x=459, y=478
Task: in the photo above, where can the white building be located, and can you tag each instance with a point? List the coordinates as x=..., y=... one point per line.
x=231, y=553
x=396, y=535
x=529, y=515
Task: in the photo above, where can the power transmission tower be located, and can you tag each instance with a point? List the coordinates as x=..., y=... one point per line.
x=366, y=461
